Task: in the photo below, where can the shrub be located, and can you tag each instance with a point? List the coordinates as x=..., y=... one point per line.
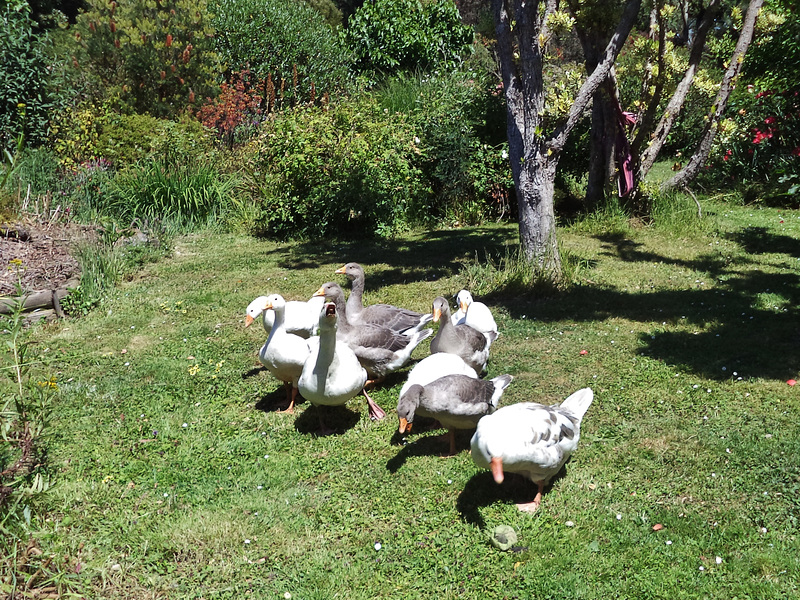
x=26, y=99
x=126, y=139
x=288, y=42
x=760, y=141
x=237, y=109
x=327, y=172
x=397, y=35
x=456, y=116
x=147, y=57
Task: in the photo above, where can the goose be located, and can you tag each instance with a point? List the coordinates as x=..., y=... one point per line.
x=284, y=353
x=475, y=314
x=456, y=401
x=531, y=439
x=301, y=318
x=379, y=350
x=395, y=318
x=435, y=366
x=462, y=340
x=331, y=374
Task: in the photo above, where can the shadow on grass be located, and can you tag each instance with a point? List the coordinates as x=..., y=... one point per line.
x=481, y=490
x=432, y=255
x=748, y=322
x=428, y=444
x=337, y=418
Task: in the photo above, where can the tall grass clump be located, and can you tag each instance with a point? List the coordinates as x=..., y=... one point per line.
x=678, y=213
x=608, y=218
x=190, y=194
x=511, y=273
x=101, y=269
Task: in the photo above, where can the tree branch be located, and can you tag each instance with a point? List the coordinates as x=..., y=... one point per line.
x=690, y=171
x=659, y=136
x=559, y=137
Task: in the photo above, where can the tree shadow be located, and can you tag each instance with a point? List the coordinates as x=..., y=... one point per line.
x=760, y=240
x=436, y=254
x=747, y=322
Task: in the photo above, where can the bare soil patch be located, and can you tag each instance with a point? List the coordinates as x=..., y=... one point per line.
x=45, y=251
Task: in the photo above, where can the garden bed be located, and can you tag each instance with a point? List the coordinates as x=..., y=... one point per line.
x=39, y=257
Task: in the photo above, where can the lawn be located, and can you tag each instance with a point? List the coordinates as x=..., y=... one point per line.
x=176, y=477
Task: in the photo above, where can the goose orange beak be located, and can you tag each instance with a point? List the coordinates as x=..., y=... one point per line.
x=341, y=271
x=497, y=469
x=404, y=426
x=437, y=313
x=248, y=320
x=319, y=292
x=462, y=306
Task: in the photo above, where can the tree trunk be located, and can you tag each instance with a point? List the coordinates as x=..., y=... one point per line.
x=537, y=219
x=698, y=159
x=534, y=156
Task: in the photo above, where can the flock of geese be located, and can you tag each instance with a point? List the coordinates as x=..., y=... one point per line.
x=329, y=350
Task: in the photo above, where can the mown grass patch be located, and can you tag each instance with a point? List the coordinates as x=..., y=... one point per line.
x=180, y=479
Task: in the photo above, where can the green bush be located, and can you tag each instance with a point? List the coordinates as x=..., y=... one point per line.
x=26, y=98
x=145, y=56
x=126, y=139
x=457, y=118
x=397, y=35
x=289, y=42
x=352, y=168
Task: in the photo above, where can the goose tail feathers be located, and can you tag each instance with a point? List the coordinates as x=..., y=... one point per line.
x=579, y=402
x=500, y=382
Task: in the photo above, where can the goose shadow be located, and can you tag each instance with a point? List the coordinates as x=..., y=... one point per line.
x=275, y=401
x=428, y=444
x=481, y=490
x=338, y=419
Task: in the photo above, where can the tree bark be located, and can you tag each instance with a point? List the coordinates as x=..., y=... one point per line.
x=533, y=155
x=698, y=159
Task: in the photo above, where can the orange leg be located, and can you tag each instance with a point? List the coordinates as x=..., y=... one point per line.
x=376, y=413
x=532, y=507
x=291, y=395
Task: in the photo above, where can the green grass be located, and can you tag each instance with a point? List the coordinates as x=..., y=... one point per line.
x=178, y=485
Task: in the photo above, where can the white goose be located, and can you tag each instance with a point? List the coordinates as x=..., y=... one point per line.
x=456, y=401
x=531, y=439
x=379, y=350
x=300, y=318
x=331, y=374
x=475, y=314
x=284, y=353
x=433, y=367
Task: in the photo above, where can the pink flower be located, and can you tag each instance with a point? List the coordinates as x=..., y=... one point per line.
x=791, y=382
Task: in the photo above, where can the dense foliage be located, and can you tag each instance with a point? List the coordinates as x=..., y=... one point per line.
x=397, y=35
x=26, y=73
x=325, y=172
x=289, y=42
x=146, y=57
